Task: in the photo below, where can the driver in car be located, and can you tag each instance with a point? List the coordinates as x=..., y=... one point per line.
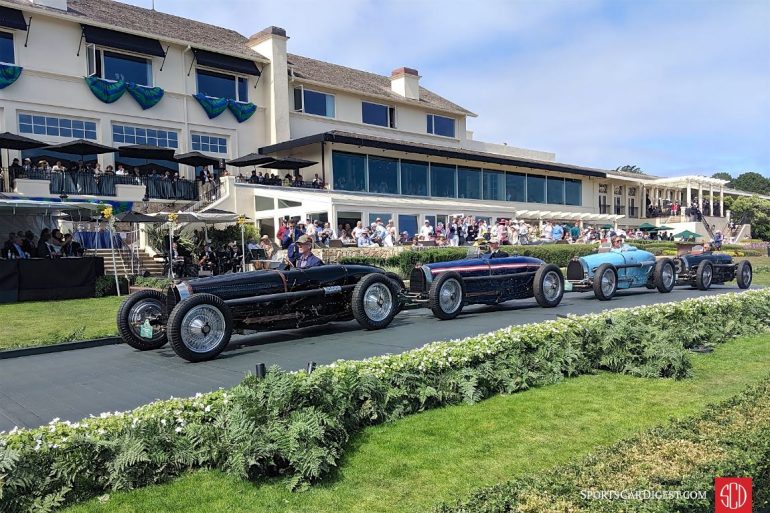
x=617, y=244
x=306, y=257
x=494, y=249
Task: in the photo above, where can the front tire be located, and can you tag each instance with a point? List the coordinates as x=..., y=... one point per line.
x=704, y=275
x=200, y=327
x=446, y=297
x=548, y=286
x=375, y=301
x=665, y=276
x=605, y=282
x=132, y=313
x=745, y=274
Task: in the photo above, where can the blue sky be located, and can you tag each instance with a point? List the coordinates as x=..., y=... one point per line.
x=678, y=86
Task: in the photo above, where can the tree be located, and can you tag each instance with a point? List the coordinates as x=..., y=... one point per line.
x=723, y=176
x=630, y=169
x=755, y=211
x=752, y=182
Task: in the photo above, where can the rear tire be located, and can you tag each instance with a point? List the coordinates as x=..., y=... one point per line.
x=131, y=315
x=200, y=327
x=548, y=286
x=605, y=282
x=446, y=297
x=375, y=301
x=745, y=274
x=665, y=276
x=704, y=275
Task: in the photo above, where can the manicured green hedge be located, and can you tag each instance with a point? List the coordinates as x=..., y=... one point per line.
x=297, y=425
x=728, y=439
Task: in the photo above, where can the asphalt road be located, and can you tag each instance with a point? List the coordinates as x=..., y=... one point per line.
x=74, y=384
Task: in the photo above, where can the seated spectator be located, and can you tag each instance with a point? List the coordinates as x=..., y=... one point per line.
x=44, y=249
x=306, y=258
x=71, y=247
x=268, y=246
x=16, y=248
x=58, y=167
x=363, y=239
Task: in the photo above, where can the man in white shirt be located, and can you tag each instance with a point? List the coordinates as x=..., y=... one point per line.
x=121, y=170
x=357, y=230
x=548, y=231
x=523, y=233
x=426, y=231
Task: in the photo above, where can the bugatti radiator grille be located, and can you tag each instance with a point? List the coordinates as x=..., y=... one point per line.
x=575, y=270
x=417, y=280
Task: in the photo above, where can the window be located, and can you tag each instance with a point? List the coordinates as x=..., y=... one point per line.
x=116, y=66
x=573, y=191
x=383, y=175
x=414, y=178
x=282, y=203
x=442, y=181
x=494, y=185
x=440, y=125
x=407, y=223
x=209, y=143
x=376, y=114
x=126, y=134
x=349, y=171
x=57, y=127
x=555, y=190
x=515, y=187
x=6, y=48
x=468, y=183
x=535, y=189
x=382, y=217
x=313, y=102
x=222, y=85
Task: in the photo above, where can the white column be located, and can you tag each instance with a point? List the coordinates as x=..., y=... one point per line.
x=711, y=199
x=689, y=195
x=721, y=201
x=700, y=196
x=642, y=201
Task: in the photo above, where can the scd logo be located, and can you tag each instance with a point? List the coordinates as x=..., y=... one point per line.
x=732, y=495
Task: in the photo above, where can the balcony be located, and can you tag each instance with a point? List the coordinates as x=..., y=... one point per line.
x=604, y=209
x=619, y=210
x=633, y=212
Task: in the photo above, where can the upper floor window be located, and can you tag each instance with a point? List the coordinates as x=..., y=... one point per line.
x=377, y=114
x=111, y=65
x=57, y=126
x=6, y=48
x=313, y=102
x=127, y=134
x=440, y=125
x=209, y=143
x=222, y=85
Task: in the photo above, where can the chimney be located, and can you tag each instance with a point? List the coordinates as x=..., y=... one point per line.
x=271, y=43
x=406, y=82
x=53, y=4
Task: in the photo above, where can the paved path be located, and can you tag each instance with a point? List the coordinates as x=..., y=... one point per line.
x=73, y=384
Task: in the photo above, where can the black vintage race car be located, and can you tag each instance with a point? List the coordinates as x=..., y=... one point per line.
x=446, y=287
x=198, y=317
x=702, y=269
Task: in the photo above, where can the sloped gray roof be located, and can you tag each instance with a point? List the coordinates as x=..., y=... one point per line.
x=336, y=76
x=154, y=23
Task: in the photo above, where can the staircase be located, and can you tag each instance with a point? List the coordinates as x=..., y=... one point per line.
x=123, y=262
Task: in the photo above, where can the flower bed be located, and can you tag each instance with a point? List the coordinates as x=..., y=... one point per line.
x=297, y=425
x=728, y=439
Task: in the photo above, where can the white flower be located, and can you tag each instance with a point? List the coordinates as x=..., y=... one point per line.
x=178, y=429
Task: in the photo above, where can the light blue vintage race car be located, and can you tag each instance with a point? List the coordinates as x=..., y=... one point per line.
x=609, y=270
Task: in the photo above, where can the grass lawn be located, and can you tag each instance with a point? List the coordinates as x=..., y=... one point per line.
x=412, y=464
x=53, y=322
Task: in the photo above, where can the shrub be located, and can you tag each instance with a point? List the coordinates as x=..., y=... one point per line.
x=297, y=425
x=153, y=282
x=105, y=286
x=728, y=439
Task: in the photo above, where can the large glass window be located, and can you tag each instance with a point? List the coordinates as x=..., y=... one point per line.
x=407, y=223
x=383, y=175
x=130, y=68
x=494, y=185
x=127, y=134
x=57, y=127
x=349, y=171
x=515, y=187
x=221, y=85
x=573, y=191
x=468, y=183
x=535, y=189
x=555, y=190
x=414, y=178
x=442, y=181
x=313, y=102
x=209, y=143
x=382, y=217
x=377, y=114
x=440, y=125
x=6, y=48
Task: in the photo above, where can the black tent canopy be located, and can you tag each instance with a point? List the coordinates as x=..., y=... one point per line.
x=289, y=163
x=196, y=158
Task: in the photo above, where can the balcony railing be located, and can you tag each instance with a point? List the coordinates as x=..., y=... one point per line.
x=85, y=183
x=604, y=209
x=619, y=210
x=633, y=212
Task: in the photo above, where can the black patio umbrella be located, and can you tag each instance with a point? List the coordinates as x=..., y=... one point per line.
x=82, y=147
x=288, y=163
x=9, y=141
x=196, y=158
x=137, y=217
x=147, y=168
x=147, y=152
x=252, y=159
